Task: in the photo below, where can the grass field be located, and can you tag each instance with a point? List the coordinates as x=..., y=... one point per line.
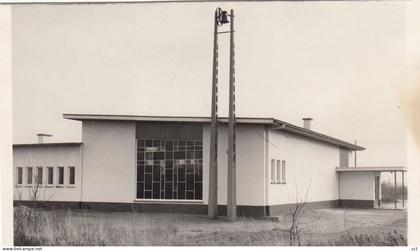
x=319, y=227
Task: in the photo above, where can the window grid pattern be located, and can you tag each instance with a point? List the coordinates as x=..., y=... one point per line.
x=169, y=169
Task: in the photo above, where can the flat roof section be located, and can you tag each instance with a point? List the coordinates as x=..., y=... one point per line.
x=372, y=169
x=275, y=123
x=48, y=144
x=245, y=120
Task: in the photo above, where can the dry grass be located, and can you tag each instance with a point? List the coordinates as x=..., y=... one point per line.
x=319, y=227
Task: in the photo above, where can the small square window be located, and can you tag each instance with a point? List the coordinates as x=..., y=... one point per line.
x=29, y=175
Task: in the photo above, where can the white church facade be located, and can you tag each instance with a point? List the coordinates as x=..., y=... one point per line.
x=161, y=164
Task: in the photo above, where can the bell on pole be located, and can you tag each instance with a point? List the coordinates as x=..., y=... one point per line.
x=224, y=18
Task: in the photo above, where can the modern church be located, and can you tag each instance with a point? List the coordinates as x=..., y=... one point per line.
x=161, y=164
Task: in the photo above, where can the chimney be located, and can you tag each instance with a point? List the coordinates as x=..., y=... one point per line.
x=41, y=137
x=307, y=123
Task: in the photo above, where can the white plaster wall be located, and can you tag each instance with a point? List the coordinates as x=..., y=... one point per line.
x=357, y=186
x=46, y=156
x=109, y=161
x=310, y=166
x=344, y=157
x=351, y=158
x=249, y=164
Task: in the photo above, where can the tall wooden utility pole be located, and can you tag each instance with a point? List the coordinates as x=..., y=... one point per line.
x=212, y=204
x=231, y=205
x=220, y=18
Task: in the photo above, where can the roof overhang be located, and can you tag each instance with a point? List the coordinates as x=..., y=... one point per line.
x=242, y=120
x=274, y=124
x=316, y=135
x=48, y=144
x=372, y=169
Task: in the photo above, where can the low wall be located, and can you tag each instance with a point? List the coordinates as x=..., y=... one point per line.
x=357, y=186
x=357, y=203
x=285, y=208
x=244, y=211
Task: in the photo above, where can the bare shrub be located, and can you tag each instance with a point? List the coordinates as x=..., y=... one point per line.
x=29, y=222
x=28, y=219
x=295, y=214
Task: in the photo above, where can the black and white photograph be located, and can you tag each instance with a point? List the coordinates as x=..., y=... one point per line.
x=210, y=123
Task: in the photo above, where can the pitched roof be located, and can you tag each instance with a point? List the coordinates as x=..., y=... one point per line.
x=277, y=125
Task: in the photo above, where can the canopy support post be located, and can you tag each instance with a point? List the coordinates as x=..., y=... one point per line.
x=395, y=189
x=402, y=181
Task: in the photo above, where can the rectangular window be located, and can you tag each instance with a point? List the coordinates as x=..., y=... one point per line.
x=278, y=170
x=50, y=175
x=273, y=171
x=61, y=175
x=39, y=175
x=169, y=169
x=29, y=175
x=19, y=175
x=71, y=175
x=283, y=172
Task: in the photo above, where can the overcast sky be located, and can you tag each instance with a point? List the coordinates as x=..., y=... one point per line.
x=341, y=63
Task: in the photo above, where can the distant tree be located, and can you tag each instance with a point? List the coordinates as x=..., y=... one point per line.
x=388, y=192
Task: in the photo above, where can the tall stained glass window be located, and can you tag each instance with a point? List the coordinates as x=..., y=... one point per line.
x=169, y=169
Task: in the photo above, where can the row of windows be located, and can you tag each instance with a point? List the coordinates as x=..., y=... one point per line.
x=278, y=171
x=36, y=175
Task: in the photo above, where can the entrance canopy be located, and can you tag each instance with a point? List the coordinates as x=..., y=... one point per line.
x=372, y=169
x=362, y=185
